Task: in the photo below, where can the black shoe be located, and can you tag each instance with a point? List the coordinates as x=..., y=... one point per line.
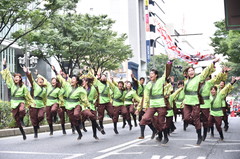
x=130, y=127
x=165, y=132
x=79, y=137
x=63, y=129
x=221, y=136
x=35, y=131
x=226, y=128
x=102, y=131
x=96, y=137
x=23, y=133
x=204, y=133
x=84, y=129
x=135, y=124
x=115, y=130
x=159, y=138
x=153, y=134
x=199, y=141
x=199, y=133
x=51, y=129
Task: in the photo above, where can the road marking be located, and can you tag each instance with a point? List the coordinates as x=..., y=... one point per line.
x=155, y=157
x=189, y=146
x=73, y=156
x=39, y=153
x=121, y=149
x=180, y=157
x=201, y=157
x=130, y=153
x=122, y=145
x=232, y=151
x=167, y=157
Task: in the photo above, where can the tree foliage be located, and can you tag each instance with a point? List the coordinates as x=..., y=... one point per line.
x=226, y=42
x=75, y=40
x=158, y=62
x=29, y=15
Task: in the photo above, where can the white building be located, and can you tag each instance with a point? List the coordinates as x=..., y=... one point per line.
x=131, y=17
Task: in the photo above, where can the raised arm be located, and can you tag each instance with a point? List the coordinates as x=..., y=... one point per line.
x=6, y=75
x=208, y=70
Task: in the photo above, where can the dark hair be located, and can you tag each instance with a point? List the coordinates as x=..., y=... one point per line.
x=188, y=69
x=155, y=72
x=58, y=84
x=210, y=76
x=20, y=82
x=130, y=83
x=181, y=82
x=142, y=78
x=214, y=87
x=79, y=81
x=223, y=82
x=89, y=81
x=121, y=82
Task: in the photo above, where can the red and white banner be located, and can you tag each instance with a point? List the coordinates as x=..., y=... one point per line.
x=173, y=50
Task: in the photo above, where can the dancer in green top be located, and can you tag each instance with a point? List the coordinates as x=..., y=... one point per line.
x=20, y=96
x=39, y=94
x=191, y=100
x=52, y=104
x=216, y=113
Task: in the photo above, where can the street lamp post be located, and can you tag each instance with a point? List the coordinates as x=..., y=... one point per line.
x=27, y=61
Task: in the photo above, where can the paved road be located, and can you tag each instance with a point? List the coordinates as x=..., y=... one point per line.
x=124, y=145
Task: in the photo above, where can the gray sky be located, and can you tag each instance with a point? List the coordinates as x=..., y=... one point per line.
x=195, y=16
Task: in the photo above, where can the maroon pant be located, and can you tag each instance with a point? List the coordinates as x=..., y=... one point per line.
x=36, y=115
x=169, y=121
x=217, y=120
x=19, y=113
x=101, y=107
x=148, y=116
x=87, y=113
x=120, y=109
x=74, y=115
x=51, y=111
x=61, y=114
x=205, y=115
x=192, y=115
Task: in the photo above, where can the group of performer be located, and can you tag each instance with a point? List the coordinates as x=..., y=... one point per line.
x=200, y=99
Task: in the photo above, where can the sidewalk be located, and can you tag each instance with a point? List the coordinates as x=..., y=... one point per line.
x=43, y=128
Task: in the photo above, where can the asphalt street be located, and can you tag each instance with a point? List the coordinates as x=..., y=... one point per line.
x=124, y=145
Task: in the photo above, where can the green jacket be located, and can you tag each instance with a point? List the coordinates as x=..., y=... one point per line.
x=92, y=97
x=130, y=95
x=216, y=101
x=18, y=94
x=52, y=92
x=171, y=99
x=191, y=86
x=118, y=95
x=73, y=96
x=205, y=90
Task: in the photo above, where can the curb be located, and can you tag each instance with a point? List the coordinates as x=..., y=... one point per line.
x=43, y=128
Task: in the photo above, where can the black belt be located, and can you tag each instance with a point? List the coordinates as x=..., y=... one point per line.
x=52, y=97
x=128, y=100
x=178, y=100
x=191, y=93
x=72, y=100
x=38, y=98
x=206, y=97
x=156, y=96
x=118, y=100
x=216, y=109
x=104, y=95
x=17, y=98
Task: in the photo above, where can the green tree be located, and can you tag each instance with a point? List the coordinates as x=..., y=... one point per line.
x=158, y=62
x=29, y=13
x=75, y=40
x=226, y=42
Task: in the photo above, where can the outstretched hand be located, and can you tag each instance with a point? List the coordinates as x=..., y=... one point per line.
x=4, y=61
x=25, y=69
x=216, y=60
